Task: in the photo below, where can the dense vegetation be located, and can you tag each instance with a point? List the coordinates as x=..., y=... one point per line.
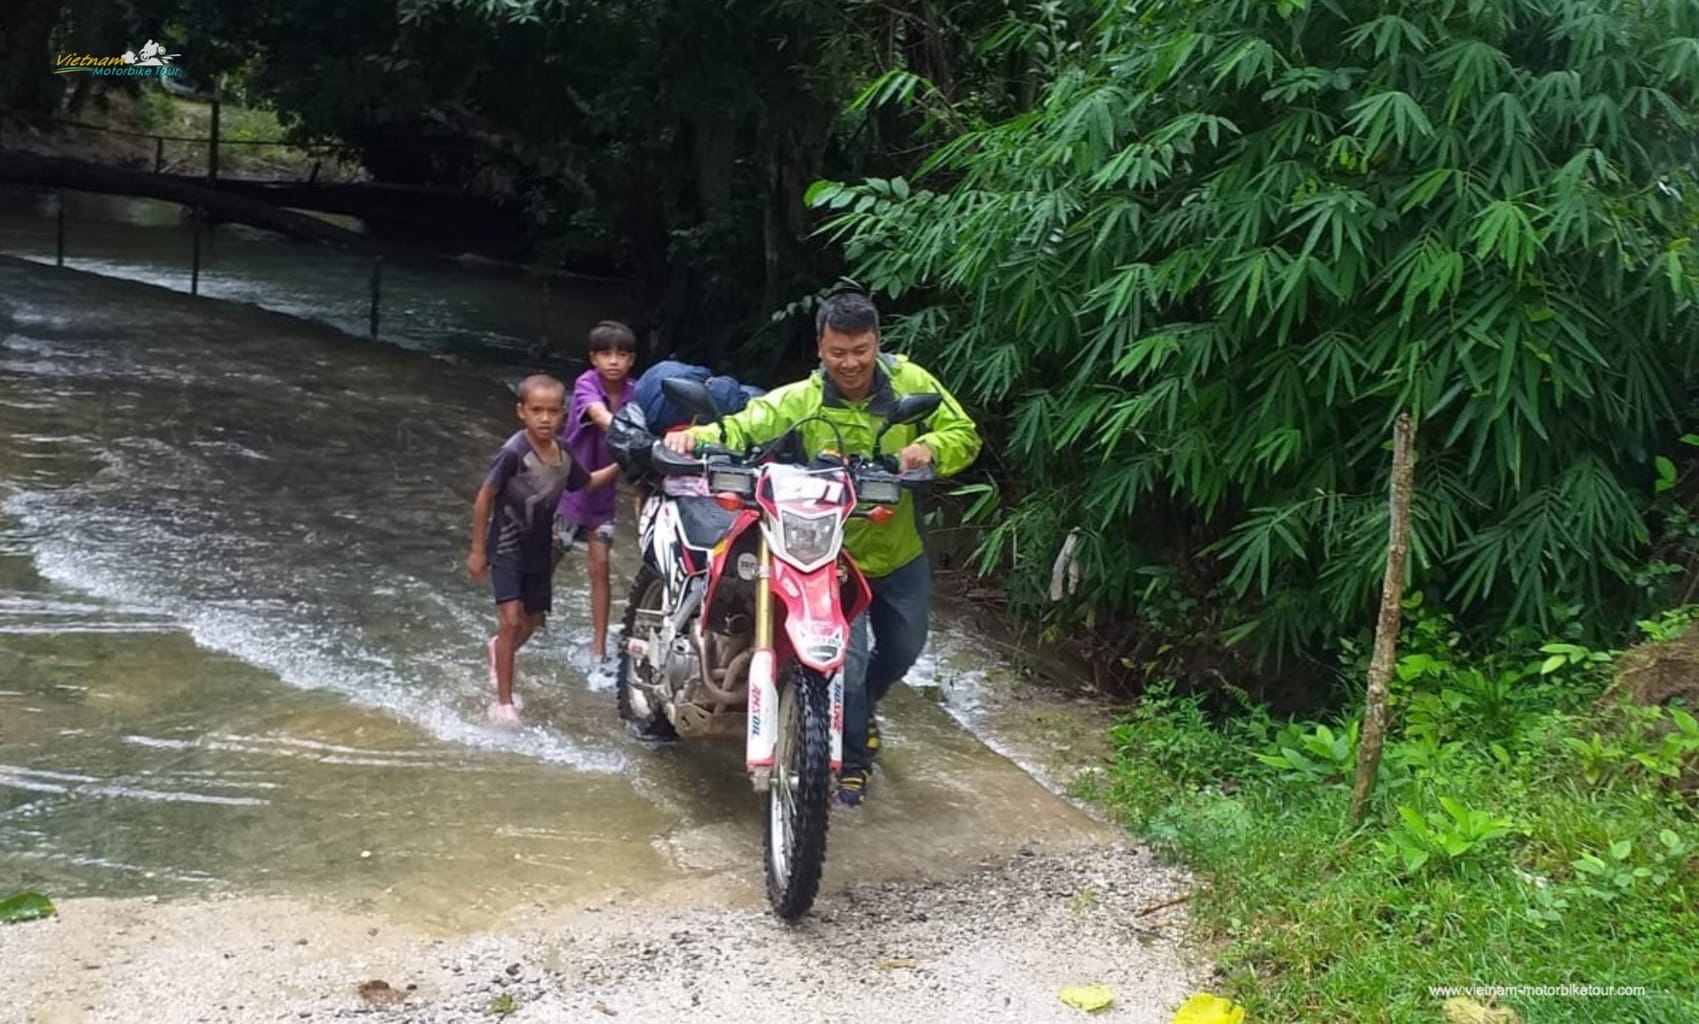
x=678, y=136
x=1533, y=828
x=1232, y=241
x=1207, y=252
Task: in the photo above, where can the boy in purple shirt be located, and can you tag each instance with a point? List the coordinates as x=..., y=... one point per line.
x=510, y=526
x=588, y=515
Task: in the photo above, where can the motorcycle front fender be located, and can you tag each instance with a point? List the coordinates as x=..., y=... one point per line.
x=814, y=615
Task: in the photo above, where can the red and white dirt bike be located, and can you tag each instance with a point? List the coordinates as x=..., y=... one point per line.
x=738, y=623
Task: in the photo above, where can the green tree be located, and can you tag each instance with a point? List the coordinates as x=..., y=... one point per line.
x=1231, y=241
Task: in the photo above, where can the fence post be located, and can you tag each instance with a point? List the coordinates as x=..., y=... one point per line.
x=195, y=274
x=212, y=143
x=59, y=260
x=158, y=153
x=377, y=274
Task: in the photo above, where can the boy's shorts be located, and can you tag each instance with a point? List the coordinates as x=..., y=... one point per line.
x=570, y=534
x=511, y=583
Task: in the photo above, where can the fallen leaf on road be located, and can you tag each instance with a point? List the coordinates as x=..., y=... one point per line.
x=1207, y=1009
x=896, y=963
x=25, y=906
x=1463, y=1010
x=1090, y=998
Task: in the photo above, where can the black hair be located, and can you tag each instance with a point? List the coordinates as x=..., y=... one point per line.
x=612, y=336
x=539, y=380
x=847, y=312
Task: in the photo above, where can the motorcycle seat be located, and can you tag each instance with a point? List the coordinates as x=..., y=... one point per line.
x=704, y=521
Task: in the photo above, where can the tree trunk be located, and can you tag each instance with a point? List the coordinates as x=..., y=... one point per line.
x=88, y=29
x=27, y=81
x=1391, y=609
x=716, y=163
x=79, y=96
x=643, y=222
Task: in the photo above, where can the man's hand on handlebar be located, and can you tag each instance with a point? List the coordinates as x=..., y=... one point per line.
x=914, y=456
x=681, y=441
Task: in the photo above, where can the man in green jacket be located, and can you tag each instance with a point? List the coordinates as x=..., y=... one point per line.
x=855, y=387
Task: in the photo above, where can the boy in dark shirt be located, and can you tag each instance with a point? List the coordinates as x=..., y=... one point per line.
x=512, y=521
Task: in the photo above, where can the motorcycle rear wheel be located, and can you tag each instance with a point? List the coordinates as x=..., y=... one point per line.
x=797, y=800
x=636, y=707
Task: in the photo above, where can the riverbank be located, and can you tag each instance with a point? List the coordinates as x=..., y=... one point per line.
x=1532, y=841
x=997, y=942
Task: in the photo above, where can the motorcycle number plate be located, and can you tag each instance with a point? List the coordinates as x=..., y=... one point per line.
x=807, y=488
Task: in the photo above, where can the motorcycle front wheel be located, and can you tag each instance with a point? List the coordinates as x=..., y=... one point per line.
x=797, y=807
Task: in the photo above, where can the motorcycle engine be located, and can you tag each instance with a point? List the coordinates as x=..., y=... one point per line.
x=681, y=666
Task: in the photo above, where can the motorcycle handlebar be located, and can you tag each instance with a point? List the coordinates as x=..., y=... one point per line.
x=915, y=477
x=670, y=463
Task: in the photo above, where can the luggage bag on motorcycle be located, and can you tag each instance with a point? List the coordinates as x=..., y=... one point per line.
x=630, y=441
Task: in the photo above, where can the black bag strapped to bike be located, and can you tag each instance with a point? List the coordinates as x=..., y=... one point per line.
x=629, y=441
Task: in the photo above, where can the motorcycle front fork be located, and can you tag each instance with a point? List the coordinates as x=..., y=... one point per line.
x=764, y=724
x=762, y=734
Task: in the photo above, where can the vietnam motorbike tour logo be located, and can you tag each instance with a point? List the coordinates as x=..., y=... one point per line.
x=149, y=61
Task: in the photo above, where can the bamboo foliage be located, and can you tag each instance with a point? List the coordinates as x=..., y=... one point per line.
x=1232, y=240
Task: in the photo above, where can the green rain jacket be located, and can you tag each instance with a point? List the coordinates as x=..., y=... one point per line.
x=880, y=549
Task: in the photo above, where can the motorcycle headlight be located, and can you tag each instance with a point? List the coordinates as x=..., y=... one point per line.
x=879, y=492
x=808, y=538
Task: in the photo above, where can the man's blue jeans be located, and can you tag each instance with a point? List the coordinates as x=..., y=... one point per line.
x=897, y=621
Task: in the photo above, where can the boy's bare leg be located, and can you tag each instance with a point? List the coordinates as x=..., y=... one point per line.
x=510, y=634
x=601, y=598
x=533, y=622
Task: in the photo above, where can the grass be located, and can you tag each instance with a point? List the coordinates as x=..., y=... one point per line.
x=1553, y=865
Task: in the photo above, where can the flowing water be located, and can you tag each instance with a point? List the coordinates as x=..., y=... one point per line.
x=238, y=650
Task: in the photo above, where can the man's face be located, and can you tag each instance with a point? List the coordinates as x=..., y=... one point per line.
x=849, y=360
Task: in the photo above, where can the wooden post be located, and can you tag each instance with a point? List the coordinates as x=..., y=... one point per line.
x=158, y=153
x=195, y=272
x=59, y=260
x=212, y=143
x=377, y=275
x=1391, y=610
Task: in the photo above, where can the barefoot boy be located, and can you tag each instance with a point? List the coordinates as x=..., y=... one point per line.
x=588, y=515
x=527, y=477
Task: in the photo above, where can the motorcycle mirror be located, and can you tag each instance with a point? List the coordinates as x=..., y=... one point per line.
x=909, y=409
x=914, y=408
x=693, y=395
